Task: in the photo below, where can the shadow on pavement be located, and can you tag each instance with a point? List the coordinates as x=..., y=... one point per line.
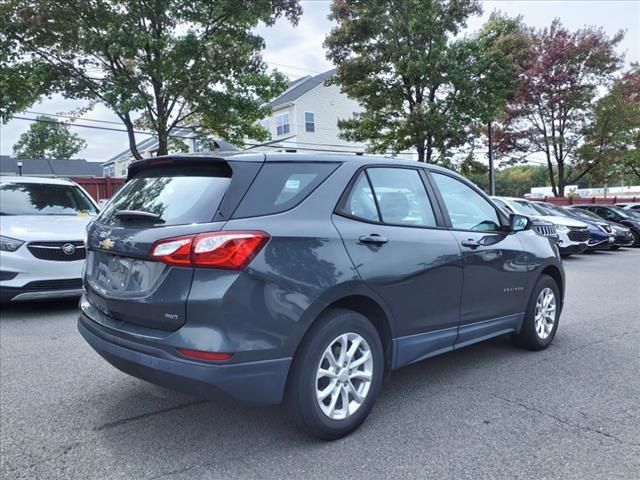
x=22, y=310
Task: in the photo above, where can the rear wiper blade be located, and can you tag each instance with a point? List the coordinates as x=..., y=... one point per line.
x=138, y=215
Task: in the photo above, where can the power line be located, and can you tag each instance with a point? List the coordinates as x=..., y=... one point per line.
x=60, y=115
x=93, y=127
x=337, y=147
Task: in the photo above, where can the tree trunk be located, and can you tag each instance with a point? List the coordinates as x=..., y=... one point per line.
x=429, y=153
x=126, y=119
x=420, y=149
x=561, y=179
x=163, y=143
x=492, y=176
x=552, y=178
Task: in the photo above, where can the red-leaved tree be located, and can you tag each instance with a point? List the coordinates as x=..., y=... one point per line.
x=558, y=83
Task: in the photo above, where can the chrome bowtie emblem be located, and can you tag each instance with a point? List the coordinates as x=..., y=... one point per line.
x=107, y=244
x=68, y=249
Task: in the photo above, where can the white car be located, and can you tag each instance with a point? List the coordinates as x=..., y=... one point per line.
x=573, y=234
x=42, y=230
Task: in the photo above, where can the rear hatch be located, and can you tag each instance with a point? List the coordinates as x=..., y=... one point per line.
x=163, y=198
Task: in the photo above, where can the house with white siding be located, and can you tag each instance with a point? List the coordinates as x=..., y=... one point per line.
x=305, y=117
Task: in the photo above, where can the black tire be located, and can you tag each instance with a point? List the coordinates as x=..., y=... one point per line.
x=302, y=384
x=615, y=247
x=528, y=337
x=636, y=239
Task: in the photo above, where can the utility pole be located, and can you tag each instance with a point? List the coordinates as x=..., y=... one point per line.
x=492, y=174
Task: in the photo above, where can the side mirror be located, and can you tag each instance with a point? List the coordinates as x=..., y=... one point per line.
x=517, y=223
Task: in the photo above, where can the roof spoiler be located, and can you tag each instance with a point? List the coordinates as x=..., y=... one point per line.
x=202, y=158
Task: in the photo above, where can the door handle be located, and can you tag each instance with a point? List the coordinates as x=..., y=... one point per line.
x=471, y=243
x=373, y=238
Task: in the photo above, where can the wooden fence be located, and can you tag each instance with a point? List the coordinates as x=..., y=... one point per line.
x=100, y=187
x=585, y=200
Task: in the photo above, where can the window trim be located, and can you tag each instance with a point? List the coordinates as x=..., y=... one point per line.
x=339, y=208
x=313, y=123
x=504, y=222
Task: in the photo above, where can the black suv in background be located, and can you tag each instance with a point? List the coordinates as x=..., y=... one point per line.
x=307, y=277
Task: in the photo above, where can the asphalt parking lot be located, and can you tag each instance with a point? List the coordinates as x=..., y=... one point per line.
x=490, y=411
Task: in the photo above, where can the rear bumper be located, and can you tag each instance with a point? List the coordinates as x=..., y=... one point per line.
x=258, y=382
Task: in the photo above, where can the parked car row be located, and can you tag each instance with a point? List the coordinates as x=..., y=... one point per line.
x=585, y=227
x=44, y=222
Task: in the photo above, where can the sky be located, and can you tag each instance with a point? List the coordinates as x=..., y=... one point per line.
x=297, y=51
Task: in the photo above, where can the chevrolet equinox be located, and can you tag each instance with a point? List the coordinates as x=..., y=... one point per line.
x=307, y=278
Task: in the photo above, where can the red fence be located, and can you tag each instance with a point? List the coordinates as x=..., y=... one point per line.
x=100, y=187
x=583, y=200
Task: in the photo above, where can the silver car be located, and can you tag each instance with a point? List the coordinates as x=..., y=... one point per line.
x=42, y=229
x=573, y=234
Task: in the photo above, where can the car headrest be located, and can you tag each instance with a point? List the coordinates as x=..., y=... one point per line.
x=394, y=206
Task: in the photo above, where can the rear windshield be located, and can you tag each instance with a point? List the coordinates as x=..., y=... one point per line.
x=44, y=199
x=282, y=186
x=178, y=196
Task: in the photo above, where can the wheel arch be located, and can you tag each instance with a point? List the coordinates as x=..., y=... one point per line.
x=555, y=273
x=365, y=302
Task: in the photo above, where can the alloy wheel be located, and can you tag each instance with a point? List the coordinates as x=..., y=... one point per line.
x=545, y=314
x=343, y=376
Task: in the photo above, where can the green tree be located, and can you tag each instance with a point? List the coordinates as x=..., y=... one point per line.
x=517, y=180
x=22, y=81
x=172, y=62
x=558, y=82
x=613, y=137
x=398, y=59
x=48, y=138
x=501, y=46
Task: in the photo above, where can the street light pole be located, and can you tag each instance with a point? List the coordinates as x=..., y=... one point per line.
x=492, y=175
x=19, y=167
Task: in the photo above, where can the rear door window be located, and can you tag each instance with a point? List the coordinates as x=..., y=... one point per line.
x=177, y=195
x=282, y=186
x=359, y=203
x=402, y=197
x=395, y=196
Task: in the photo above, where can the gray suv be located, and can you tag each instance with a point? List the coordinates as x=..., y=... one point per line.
x=307, y=278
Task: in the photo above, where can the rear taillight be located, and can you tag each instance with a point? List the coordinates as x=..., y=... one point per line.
x=226, y=250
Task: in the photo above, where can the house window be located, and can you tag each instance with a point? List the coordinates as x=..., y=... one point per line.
x=283, y=124
x=265, y=124
x=309, y=122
